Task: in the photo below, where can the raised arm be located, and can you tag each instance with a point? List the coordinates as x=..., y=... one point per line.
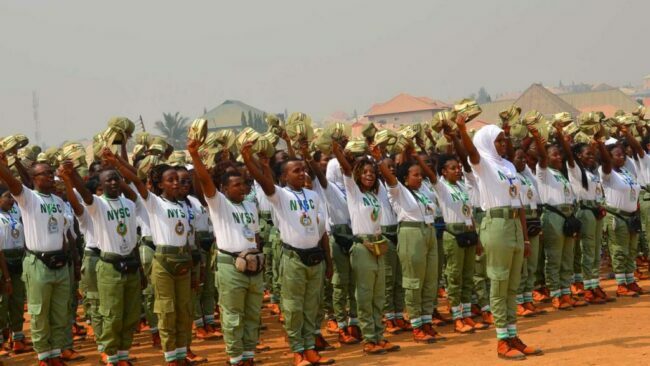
x=265, y=180
x=539, y=146
x=565, y=145
x=636, y=146
x=322, y=179
x=14, y=185
x=510, y=150
x=472, y=152
x=290, y=151
x=346, y=167
x=66, y=172
x=125, y=169
x=605, y=157
x=23, y=173
x=426, y=169
x=390, y=178
x=201, y=172
x=461, y=152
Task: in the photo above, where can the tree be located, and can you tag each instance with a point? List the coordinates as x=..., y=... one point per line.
x=243, y=119
x=251, y=121
x=174, y=127
x=483, y=96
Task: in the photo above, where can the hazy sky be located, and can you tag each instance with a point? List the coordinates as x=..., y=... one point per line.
x=90, y=60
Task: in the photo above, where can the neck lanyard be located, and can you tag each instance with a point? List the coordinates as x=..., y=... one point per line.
x=302, y=203
x=374, y=202
x=455, y=188
x=121, y=228
x=421, y=200
x=12, y=222
x=235, y=205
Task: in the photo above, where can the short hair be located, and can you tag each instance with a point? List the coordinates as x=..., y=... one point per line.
x=283, y=166
x=224, y=179
x=92, y=184
x=402, y=170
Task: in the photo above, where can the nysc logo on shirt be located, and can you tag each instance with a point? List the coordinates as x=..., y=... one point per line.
x=459, y=196
x=175, y=213
x=243, y=218
x=120, y=213
x=50, y=208
x=295, y=206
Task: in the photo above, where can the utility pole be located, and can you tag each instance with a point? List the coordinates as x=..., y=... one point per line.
x=37, y=125
x=142, y=124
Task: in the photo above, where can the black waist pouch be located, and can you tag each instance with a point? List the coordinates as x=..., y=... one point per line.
x=53, y=260
x=124, y=265
x=15, y=265
x=344, y=242
x=534, y=227
x=309, y=257
x=196, y=257
x=466, y=239
x=571, y=226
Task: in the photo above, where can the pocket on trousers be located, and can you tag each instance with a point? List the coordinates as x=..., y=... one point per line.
x=34, y=309
x=231, y=320
x=163, y=306
x=410, y=283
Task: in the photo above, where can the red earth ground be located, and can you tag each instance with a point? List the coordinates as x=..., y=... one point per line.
x=611, y=334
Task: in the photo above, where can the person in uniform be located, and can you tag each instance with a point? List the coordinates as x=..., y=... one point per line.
x=417, y=251
x=171, y=272
x=559, y=205
x=368, y=248
x=13, y=251
x=503, y=231
x=236, y=223
x=118, y=276
x=45, y=267
x=623, y=222
x=305, y=252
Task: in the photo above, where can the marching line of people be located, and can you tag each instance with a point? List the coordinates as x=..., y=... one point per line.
x=356, y=236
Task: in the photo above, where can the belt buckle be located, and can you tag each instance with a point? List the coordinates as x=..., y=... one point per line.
x=515, y=213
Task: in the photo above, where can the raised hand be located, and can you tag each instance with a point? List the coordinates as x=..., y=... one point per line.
x=193, y=146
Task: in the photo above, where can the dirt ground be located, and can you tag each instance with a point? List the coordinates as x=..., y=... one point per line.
x=614, y=333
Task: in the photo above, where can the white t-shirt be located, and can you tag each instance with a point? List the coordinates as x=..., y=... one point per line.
x=11, y=232
x=454, y=202
x=191, y=218
x=142, y=216
x=235, y=225
x=388, y=215
x=411, y=205
x=43, y=220
x=69, y=219
x=115, y=224
x=594, y=191
x=498, y=184
x=365, y=209
x=337, y=207
x=263, y=202
x=554, y=188
x=201, y=216
x=529, y=195
x=169, y=221
x=642, y=166
x=87, y=229
x=334, y=173
x=297, y=214
x=471, y=182
x=621, y=189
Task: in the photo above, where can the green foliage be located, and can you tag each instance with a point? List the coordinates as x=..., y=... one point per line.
x=174, y=128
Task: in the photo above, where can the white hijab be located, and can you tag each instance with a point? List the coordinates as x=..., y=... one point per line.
x=484, y=142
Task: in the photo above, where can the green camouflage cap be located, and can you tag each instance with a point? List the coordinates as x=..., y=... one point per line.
x=323, y=143
x=562, y=118
x=226, y=138
x=442, y=144
x=338, y=131
x=146, y=164
x=400, y=145
x=272, y=120
x=157, y=146
x=138, y=150
x=11, y=144
x=143, y=138
x=123, y=123
x=299, y=127
x=273, y=138
x=640, y=112
x=533, y=117
x=75, y=152
x=510, y=114
x=442, y=118
x=357, y=146
x=385, y=137
x=468, y=107
x=264, y=147
x=177, y=158
x=198, y=130
x=246, y=135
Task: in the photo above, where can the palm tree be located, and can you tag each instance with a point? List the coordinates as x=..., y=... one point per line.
x=174, y=128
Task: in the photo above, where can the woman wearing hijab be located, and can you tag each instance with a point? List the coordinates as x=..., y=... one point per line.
x=503, y=232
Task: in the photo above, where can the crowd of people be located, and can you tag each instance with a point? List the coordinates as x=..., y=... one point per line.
x=354, y=236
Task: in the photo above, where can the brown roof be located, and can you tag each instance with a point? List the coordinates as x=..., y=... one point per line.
x=611, y=97
x=542, y=100
x=490, y=111
x=476, y=124
x=405, y=103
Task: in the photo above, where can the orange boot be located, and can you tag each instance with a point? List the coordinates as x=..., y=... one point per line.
x=155, y=339
x=461, y=327
x=203, y=333
x=388, y=347
x=559, y=304
x=420, y=336
x=541, y=295
x=578, y=289
x=576, y=303
x=346, y=338
x=475, y=325
x=403, y=324
x=591, y=298
x=517, y=344
x=391, y=327
x=300, y=360
x=487, y=317
x=537, y=311
x=72, y=355
x=635, y=287
x=598, y=291
x=624, y=291
x=372, y=348
x=20, y=347
x=507, y=352
x=428, y=328
x=522, y=311
x=355, y=331
x=316, y=359
x=274, y=308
